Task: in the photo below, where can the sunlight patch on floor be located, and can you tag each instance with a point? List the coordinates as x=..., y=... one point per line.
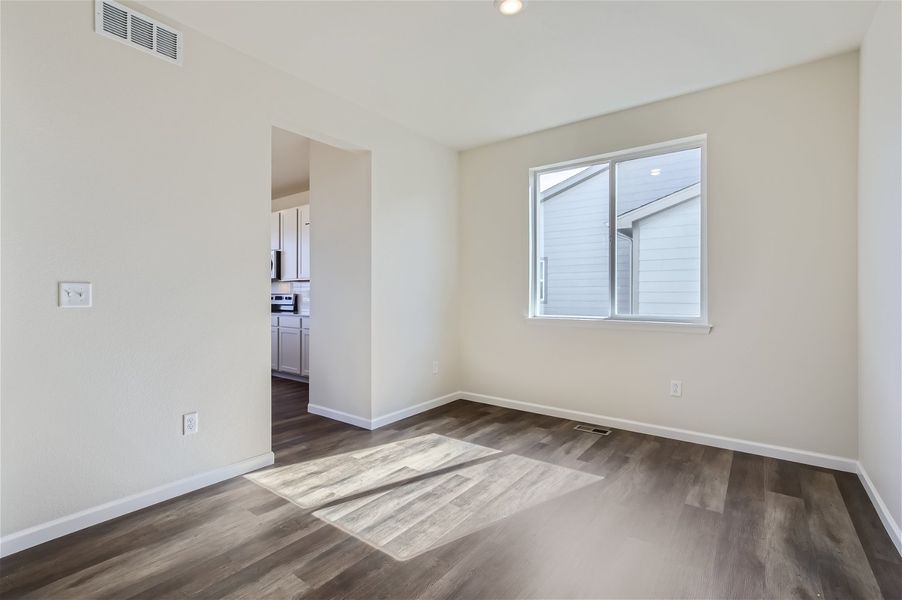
x=407, y=497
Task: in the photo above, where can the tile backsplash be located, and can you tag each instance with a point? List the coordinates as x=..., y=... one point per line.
x=301, y=288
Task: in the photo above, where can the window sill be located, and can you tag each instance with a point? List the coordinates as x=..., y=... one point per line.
x=671, y=326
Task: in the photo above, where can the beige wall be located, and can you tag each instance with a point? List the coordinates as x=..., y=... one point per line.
x=414, y=284
x=880, y=258
x=780, y=365
x=290, y=201
x=153, y=182
x=340, y=205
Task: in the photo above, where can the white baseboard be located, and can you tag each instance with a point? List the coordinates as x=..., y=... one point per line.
x=44, y=532
x=792, y=454
x=892, y=528
x=384, y=420
x=337, y=415
x=413, y=410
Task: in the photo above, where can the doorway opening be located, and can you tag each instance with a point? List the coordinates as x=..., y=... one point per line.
x=291, y=284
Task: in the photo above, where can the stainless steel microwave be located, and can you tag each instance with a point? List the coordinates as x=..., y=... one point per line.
x=274, y=261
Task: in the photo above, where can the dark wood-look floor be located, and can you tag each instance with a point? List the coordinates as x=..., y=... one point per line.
x=669, y=519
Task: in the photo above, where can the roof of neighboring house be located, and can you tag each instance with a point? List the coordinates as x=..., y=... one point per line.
x=573, y=181
x=653, y=182
x=626, y=220
x=637, y=186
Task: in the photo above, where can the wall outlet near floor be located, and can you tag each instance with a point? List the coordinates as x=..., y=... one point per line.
x=676, y=388
x=435, y=367
x=189, y=423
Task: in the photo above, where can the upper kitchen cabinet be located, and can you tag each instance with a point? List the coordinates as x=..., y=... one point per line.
x=304, y=242
x=275, y=226
x=290, y=239
x=295, y=243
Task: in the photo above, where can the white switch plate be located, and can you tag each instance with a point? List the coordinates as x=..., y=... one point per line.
x=435, y=367
x=676, y=388
x=75, y=294
x=190, y=424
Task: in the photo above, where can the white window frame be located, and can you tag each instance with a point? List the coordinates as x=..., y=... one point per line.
x=695, y=324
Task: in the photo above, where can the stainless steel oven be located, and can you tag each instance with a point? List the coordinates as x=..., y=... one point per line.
x=282, y=303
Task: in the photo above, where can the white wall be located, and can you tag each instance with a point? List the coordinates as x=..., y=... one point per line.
x=340, y=206
x=880, y=258
x=290, y=201
x=415, y=286
x=778, y=367
x=153, y=181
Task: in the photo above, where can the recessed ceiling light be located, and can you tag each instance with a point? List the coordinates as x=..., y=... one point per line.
x=655, y=172
x=509, y=7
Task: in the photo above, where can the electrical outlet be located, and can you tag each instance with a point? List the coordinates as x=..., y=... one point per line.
x=676, y=388
x=189, y=424
x=74, y=294
x=435, y=367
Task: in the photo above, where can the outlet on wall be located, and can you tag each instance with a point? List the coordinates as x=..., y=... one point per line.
x=676, y=388
x=189, y=423
x=435, y=367
x=74, y=294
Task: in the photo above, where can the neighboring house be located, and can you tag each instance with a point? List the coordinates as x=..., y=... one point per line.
x=658, y=239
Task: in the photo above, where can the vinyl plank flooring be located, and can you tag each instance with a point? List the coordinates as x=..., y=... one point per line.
x=739, y=564
x=840, y=558
x=658, y=519
x=885, y=561
x=790, y=569
x=709, y=486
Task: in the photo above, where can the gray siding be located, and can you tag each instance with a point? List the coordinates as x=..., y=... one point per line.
x=624, y=274
x=669, y=261
x=574, y=241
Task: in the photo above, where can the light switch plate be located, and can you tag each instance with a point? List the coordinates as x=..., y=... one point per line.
x=74, y=294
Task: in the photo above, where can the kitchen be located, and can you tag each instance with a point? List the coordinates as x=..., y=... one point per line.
x=290, y=256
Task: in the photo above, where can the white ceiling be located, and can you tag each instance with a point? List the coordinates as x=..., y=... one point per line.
x=464, y=75
x=290, y=163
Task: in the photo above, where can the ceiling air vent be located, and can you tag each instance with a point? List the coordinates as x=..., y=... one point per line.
x=125, y=25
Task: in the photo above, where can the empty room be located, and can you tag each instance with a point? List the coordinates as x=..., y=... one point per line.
x=568, y=299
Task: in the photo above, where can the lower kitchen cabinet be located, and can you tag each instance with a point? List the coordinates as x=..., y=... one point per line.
x=305, y=352
x=290, y=350
x=290, y=345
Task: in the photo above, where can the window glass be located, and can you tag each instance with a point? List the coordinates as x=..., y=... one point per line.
x=658, y=201
x=572, y=217
x=655, y=237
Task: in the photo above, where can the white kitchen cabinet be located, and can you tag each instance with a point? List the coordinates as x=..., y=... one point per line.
x=274, y=348
x=304, y=242
x=290, y=243
x=275, y=226
x=294, y=237
x=305, y=352
x=290, y=350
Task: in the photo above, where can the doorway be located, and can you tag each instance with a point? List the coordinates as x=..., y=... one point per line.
x=291, y=285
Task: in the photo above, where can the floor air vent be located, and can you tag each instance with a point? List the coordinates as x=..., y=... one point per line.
x=120, y=23
x=593, y=429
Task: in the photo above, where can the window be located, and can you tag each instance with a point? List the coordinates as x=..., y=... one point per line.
x=621, y=236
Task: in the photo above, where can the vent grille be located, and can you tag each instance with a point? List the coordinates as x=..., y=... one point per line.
x=142, y=32
x=123, y=24
x=592, y=429
x=168, y=43
x=115, y=21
